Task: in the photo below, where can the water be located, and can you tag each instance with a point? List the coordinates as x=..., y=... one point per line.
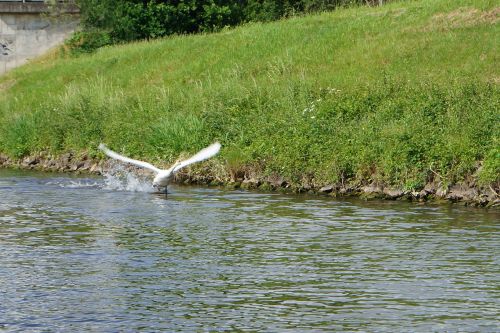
x=90, y=254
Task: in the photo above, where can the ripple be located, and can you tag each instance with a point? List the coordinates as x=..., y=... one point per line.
x=79, y=255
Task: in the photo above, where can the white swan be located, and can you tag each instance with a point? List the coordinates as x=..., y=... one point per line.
x=163, y=177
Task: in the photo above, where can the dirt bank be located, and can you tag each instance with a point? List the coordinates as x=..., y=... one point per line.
x=466, y=193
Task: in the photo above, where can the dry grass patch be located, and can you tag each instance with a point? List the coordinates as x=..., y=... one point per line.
x=462, y=18
x=7, y=84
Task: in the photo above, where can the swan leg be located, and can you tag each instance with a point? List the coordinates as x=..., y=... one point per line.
x=161, y=189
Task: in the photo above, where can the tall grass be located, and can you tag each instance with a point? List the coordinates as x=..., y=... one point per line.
x=397, y=94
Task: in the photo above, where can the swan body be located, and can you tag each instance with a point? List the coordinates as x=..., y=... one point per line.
x=163, y=177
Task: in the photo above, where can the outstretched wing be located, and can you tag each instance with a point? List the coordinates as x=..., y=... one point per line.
x=117, y=156
x=202, y=155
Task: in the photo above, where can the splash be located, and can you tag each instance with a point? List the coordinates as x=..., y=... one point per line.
x=81, y=184
x=117, y=177
x=65, y=183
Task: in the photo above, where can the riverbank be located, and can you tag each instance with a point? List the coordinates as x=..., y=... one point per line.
x=396, y=101
x=215, y=173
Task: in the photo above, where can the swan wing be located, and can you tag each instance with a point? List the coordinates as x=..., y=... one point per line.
x=119, y=157
x=202, y=155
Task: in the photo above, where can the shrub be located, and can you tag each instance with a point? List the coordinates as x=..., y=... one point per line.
x=87, y=41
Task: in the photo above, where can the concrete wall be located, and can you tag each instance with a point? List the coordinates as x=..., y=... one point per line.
x=26, y=31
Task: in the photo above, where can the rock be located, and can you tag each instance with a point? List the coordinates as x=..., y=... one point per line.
x=393, y=193
x=51, y=164
x=429, y=189
x=372, y=189
x=482, y=200
x=461, y=192
x=97, y=168
x=4, y=159
x=30, y=161
x=66, y=158
x=326, y=189
x=276, y=182
x=348, y=190
x=415, y=194
x=250, y=183
x=93, y=168
x=442, y=192
x=76, y=165
x=494, y=203
x=86, y=165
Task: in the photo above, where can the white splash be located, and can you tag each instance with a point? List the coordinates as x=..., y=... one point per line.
x=65, y=183
x=81, y=184
x=118, y=178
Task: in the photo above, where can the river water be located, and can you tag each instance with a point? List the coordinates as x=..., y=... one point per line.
x=104, y=255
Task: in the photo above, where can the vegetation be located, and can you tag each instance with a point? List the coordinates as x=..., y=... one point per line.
x=108, y=22
x=396, y=94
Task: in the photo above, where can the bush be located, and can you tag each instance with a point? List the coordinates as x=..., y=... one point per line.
x=87, y=41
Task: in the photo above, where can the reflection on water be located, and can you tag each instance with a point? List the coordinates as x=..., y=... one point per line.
x=78, y=256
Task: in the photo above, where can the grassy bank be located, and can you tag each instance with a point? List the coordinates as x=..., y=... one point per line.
x=401, y=94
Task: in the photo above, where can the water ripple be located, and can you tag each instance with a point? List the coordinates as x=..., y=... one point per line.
x=79, y=255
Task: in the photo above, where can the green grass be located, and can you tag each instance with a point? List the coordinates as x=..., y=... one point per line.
x=396, y=94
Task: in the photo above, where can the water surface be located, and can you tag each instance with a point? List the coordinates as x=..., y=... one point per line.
x=83, y=254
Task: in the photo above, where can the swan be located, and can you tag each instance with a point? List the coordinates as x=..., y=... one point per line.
x=163, y=177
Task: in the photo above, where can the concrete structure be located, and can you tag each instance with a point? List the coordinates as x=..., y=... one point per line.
x=27, y=30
